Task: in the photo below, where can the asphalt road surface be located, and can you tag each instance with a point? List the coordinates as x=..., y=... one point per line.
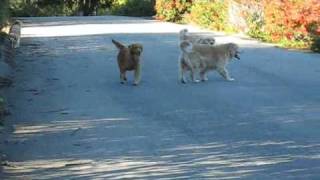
x=71, y=118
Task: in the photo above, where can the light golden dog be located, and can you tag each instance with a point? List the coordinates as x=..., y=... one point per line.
x=216, y=58
x=195, y=39
x=203, y=58
x=129, y=60
x=15, y=33
x=189, y=61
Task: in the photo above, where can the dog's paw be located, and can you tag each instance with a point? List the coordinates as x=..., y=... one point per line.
x=183, y=81
x=135, y=84
x=230, y=79
x=196, y=81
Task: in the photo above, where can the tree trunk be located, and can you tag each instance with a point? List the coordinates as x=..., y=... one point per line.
x=93, y=7
x=86, y=11
x=80, y=6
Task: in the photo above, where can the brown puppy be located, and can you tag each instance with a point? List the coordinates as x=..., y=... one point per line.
x=129, y=60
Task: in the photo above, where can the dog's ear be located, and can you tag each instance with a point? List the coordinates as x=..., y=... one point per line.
x=186, y=46
x=233, y=51
x=136, y=49
x=183, y=33
x=118, y=44
x=212, y=41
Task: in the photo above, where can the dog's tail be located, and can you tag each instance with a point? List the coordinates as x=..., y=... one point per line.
x=118, y=44
x=183, y=33
x=186, y=48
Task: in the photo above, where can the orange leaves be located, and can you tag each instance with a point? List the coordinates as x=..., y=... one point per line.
x=291, y=18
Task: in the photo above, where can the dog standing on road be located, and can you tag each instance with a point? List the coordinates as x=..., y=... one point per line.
x=129, y=60
x=15, y=33
x=189, y=61
x=216, y=58
x=199, y=58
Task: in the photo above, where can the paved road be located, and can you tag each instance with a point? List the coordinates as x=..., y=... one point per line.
x=72, y=118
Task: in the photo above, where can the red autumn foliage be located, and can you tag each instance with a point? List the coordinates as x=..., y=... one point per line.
x=292, y=23
x=292, y=19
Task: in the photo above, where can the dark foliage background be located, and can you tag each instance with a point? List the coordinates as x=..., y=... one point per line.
x=4, y=12
x=28, y=8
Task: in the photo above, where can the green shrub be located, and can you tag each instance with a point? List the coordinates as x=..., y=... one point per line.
x=85, y=7
x=212, y=14
x=133, y=7
x=4, y=13
x=255, y=26
x=42, y=8
x=172, y=10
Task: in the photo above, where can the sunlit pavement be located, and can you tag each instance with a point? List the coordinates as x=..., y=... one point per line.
x=71, y=118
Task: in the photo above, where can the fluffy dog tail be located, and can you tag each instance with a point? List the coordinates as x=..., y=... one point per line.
x=183, y=34
x=118, y=44
x=186, y=48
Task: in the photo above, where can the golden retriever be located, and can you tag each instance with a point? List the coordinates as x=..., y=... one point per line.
x=205, y=58
x=217, y=58
x=129, y=60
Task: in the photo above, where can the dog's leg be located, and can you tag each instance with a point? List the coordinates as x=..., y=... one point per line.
x=225, y=74
x=203, y=75
x=181, y=76
x=184, y=80
x=137, y=75
x=123, y=78
x=193, y=75
x=18, y=42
